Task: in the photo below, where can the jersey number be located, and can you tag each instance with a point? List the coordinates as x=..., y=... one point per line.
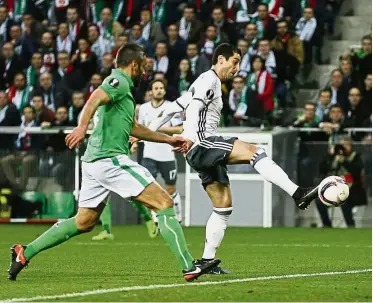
x=173, y=174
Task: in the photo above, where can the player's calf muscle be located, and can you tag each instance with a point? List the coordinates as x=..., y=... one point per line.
x=242, y=152
x=86, y=218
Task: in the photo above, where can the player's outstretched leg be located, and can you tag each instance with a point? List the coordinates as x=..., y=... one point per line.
x=157, y=198
x=60, y=232
x=243, y=152
x=106, y=233
x=144, y=213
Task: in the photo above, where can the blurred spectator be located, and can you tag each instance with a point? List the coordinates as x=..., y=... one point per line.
x=99, y=45
x=176, y=46
x=251, y=36
x=76, y=108
x=42, y=113
x=171, y=92
x=66, y=77
x=106, y=65
x=5, y=24
x=190, y=28
x=9, y=116
x=265, y=24
x=18, y=92
x=350, y=78
x=343, y=161
x=288, y=50
x=367, y=94
x=136, y=36
x=52, y=97
x=24, y=46
x=77, y=27
x=151, y=30
x=95, y=82
x=265, y=52
x=243, y=45
x=305, y=29
x=48, y=51
x=324, y=104
x=308, y=118
x=335, y=123
x=63, y=40
x=211, y=41
x=31, y=28
x=144, y=83
x=108, y=26
x=199, y=62
x=85, y=60
x=184, y=77
x=161, y=62
x=356, y=114
x=362, y=59
x=338, y=90
x=34, y=71
x=226, y=30
x=235, y=95
x=10, y=64
x=121, y=40
x=61, y=118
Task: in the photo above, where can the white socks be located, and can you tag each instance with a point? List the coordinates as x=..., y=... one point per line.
x=215, y=229
x=177, y=206
x=273, y=173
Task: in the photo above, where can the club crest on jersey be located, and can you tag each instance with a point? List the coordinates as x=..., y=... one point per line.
x=210, y=94
x=114, y=82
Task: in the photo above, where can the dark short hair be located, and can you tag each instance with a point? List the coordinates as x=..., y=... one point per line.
x=62, y=106
x=366, y=37
x=29, y=106
x=226, y=50
x=155, y=81
x=38, y=96
x=190, y=7
x=324, y=91
x=19, y=73
x=310, y=103
x=72, y=7
x=263, y=4
x=238, y=76
x=212, y=25
x=263, y=39
x=145, y=9
x=129, y=53
x=282, y=20
x=336, y=70
x=336, y=106
x=219, y=7
x=95, y=26
x=63, y=52
x=253, y=58
x=77, y=92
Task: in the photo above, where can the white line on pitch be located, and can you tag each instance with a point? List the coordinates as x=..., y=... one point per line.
x=160, y=286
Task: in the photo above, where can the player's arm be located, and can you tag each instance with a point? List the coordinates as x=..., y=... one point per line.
x=143, y=133
x=171, y=130
x=98, y=98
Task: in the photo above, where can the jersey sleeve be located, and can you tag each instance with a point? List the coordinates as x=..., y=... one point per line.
x=176, y=120
x=115, y=87
x=203, y=89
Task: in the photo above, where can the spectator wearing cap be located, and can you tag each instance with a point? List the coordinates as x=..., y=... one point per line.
x=243, y=45
x=109, y=28
x=9, y=116
x=199, y=62
x=106, y=65
x=63, y=40
x=85, y=60
x=226, y=29
x=94, y=83
x=76, y=108
x=338, y=90
x=34, y=71
x=350, y=78
x=42, y=113
x=356, y=114
x=362, y=59
x=367, y=93
x=136, y=36
x=119, y=42
x=211, y=41
x=32, y=28
x=265, y=24
x=99, y=45
x=66, y=77
x=175, y=45
x=305, y=29
x=251, y=36
x=190, y=28
x=77, y=27
x=24, y=46
x=5, y=24
x=48, y=51
x=151, y=31
x=324, y=104
x=161, y=61
x=265, y=52
x=10, y=64
x=18, y=92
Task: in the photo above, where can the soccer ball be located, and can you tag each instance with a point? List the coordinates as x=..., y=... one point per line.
x=333, y=191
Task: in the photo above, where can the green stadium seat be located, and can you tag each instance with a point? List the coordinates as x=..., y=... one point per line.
x=60, y=205
x=36, y=196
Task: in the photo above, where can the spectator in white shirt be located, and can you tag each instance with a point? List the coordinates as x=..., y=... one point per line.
x=161, y=60
x=305, y=29
x=64, y=42
x=243, y=45
x=265, y=52
x=100, y=45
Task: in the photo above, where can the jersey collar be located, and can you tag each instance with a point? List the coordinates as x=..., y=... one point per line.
x=128, y=78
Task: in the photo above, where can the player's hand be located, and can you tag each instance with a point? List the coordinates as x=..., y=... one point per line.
x=75, y=138
x=134, y=147
x=185, y=147
x=179, y=143
x=133, y=139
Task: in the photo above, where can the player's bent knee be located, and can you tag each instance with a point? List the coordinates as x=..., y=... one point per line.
x=84, y=223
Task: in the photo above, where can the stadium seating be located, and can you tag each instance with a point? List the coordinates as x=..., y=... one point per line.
x=36, y=196
x=60, y=205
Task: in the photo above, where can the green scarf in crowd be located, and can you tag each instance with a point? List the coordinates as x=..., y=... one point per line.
x=21, y=8
x=159, y=14
x=31, y=77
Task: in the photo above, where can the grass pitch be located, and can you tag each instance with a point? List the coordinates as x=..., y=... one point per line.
x=133, y=260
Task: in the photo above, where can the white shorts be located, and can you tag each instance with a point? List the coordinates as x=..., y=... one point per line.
x=118, y=174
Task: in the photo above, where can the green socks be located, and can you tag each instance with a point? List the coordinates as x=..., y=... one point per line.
x=173, y=234
x=106, y=217
x=57, y=234
x=142, y=210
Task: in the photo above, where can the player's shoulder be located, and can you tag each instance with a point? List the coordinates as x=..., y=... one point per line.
x=145, y=106
x=116, y=80
x=207, y=79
